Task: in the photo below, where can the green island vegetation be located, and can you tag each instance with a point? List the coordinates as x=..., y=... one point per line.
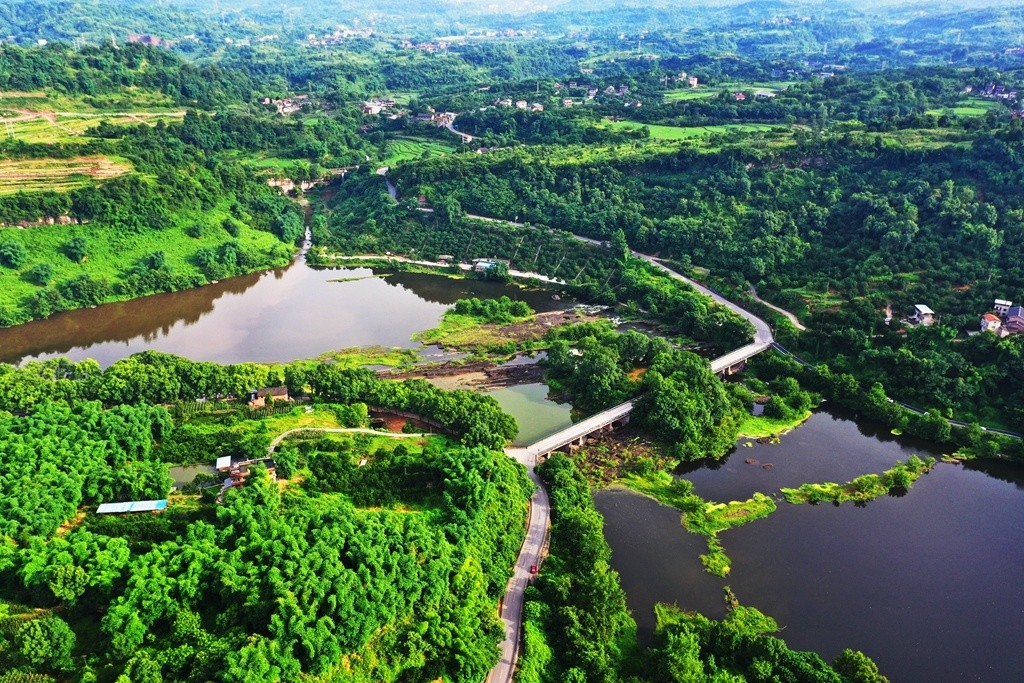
x=487, y=326
x=702, y=517
x=898, y=478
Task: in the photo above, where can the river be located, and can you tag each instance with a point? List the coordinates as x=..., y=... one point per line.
x=274, y=316
x=929, y=584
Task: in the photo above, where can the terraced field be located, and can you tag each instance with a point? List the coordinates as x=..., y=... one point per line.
x=407, y=148
x=60, y=175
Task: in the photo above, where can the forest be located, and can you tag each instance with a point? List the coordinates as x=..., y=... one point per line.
x=840, y=226
x=388, y=571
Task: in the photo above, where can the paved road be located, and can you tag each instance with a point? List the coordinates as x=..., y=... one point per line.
x=466, y=137
x=529, y=555
x=762, y=330
x=517, y=274
x=512, y=606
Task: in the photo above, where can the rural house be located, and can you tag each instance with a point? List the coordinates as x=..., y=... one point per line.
x=990, y=323
x=923, y=315
x=258, y=398
x=1014, y=322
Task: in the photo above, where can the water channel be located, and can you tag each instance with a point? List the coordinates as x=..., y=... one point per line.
x=278, y=315
x=929, y=584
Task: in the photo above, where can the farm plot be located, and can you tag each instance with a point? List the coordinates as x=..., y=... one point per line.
x=60, y=175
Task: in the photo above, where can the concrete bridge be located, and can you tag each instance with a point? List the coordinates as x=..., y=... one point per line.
x=577, y=434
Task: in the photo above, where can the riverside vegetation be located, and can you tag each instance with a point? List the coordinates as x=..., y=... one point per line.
x=839, y=194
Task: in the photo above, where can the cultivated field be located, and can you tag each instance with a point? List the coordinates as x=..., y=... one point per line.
x=408, y=148
x=60, y=175
x=690, y=132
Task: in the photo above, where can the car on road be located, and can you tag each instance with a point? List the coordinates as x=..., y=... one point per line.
x=533, y=569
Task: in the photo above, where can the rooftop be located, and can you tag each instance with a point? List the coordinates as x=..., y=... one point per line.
x=131, y=506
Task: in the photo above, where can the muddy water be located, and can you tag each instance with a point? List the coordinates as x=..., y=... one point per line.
x=535, y=412
x=278, y=315
x=929, y=584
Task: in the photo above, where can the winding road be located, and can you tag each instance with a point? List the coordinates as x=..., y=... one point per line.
x=537, y=527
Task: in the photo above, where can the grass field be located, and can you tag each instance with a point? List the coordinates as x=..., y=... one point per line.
x=703, y=92
x=59, y=175
x=973, y=106
x=111, y=253
x=409, y=148
x=690, y=132
x=686, y=94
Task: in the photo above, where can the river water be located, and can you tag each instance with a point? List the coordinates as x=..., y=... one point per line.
x=929, y=584
x=274, y=316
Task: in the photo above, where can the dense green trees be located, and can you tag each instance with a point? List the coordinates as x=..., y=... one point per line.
x=740, y=647
x=394, y=566
x=103, y=71
x=59, y=457
x=500, y=310
x=689, y=407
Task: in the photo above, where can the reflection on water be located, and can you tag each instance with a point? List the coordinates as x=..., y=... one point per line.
x=278, y=315
x=928, y=584
x=184, y=474
x=536, y=414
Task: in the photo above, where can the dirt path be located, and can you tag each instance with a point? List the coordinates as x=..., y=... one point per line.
x=339, y=430
x=792, y=318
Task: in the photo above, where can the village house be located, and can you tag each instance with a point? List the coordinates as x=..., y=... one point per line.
x=235, y=473
x=482, y=265
x=1014, y=321
x=258, y=398
x=692, y=81
x=923, y=315
x=1002, y=306
x=503, y=102
x=739, y=97
x=536, y=106
x=623, y=89
x=522, y=104
x=567, y=102
x=591, y=93
x=610, y=90
x=288, y=105
x=991, y=323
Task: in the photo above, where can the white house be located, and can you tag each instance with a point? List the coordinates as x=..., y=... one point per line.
x=1002, y=306
x=923, y=315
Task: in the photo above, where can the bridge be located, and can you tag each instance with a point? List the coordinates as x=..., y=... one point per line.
x=511, y=610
